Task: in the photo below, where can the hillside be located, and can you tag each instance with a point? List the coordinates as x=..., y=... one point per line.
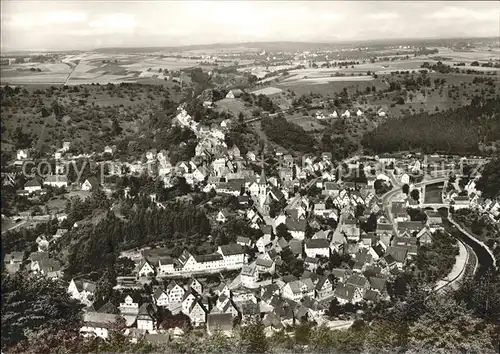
x=472, y=129
x=90, y=117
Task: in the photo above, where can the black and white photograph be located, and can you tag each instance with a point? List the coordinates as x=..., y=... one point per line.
x=279, y=177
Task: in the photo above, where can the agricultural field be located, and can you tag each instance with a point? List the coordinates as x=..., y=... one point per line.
x=36, y=73
x=97, y=68
x=233, y=106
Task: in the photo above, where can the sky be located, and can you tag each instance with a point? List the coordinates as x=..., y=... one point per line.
x=85, y=25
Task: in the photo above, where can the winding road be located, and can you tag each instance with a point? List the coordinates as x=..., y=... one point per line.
x=454, y=277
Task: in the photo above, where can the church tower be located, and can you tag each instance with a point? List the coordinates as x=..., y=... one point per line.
x=263, y=191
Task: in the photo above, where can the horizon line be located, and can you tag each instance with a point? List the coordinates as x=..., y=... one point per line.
x=319, y=42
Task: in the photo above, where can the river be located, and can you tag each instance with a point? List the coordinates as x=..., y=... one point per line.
x=484, y=259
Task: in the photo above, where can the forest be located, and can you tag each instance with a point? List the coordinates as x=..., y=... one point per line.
x=489, y=182
x=457, y=131
x=288, y=135
x=95, y=248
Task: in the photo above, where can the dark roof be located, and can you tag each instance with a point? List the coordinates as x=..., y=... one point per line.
x=357, y=281
x=345, y=292
x=317, y=243
x=295, y=246
x=370, y=295
x=108, y=307
x=231, y=249
x=398, y=253
x=296, y=225
x=33, y=183
x=378, y=283
x=277, y=193
x=410, y=225
x=208, y=257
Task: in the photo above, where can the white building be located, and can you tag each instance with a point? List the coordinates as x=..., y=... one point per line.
x=57, y=181
x=317, y=247
x=22, y=154
x=298, y=289
x=82, y=290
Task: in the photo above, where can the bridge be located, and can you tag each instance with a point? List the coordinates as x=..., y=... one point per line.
x=434, y=206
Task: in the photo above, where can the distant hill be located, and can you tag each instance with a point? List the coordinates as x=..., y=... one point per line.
x=284, y=46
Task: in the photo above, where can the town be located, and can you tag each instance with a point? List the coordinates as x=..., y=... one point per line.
x=323, y=237
x=250, y=177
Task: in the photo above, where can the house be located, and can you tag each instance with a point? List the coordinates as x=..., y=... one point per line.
x=460, y=202
x=161, y=298
x=109, y=149
x=90, y=184
x=249, y=275
x=298, y=289
x=381, y=113
x=405, y=178
x=188, y=299
x=145, y=317
x=331, y=189
x=234, y=93
x=434, y=219
x=264, y=243
x=317, y=247
x=410, y=227
x=398, y=256
x=146, y=269
x=378, y=284
x=251, y=156
x=324, y=288
x=175, y=293
x=97, y=324
x=82, y=290
x=48, y=267
x=311, y=264
x=43, y=243
x=424, y=237
x=244, y=241
x=265, y=265
x=57, y=181
x=129, y=306
x=13, y=261
x=197, y=313
x=222, y=322
x=297, y=228
x=33, y=185
x=359, y=113
x=351, y=231
x=346, y=294
x=222, y=216
x=194, y=284
x=346, y=114
x=22, y=155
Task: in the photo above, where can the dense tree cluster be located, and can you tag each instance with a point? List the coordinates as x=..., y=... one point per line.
x=34, y=305
x=97, y=246
x=437, y=259
x=457, y=131
x=288, y=135
x=489, y=182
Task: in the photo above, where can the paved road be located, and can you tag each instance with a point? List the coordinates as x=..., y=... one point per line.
x=291, y=204
x=455, y=276
x=452, y=280
x=15, y=226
